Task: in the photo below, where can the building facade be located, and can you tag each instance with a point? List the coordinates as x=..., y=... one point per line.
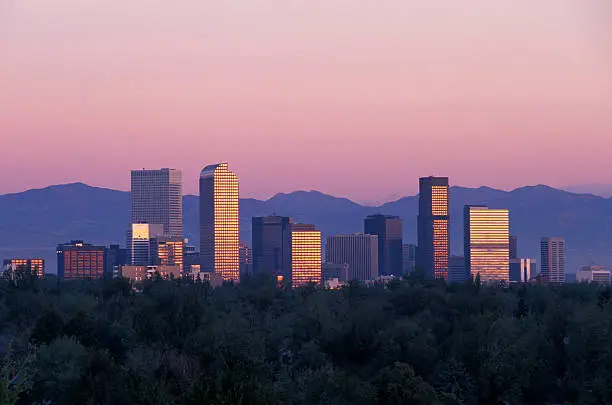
x=408, y=258
x=552, y=265
x=219, y=222
x=78, y=260
x=331, y=271
x=520, y=270
x=593, y=274
x=433, y=227
x=306, y=261
x=143, y=238
x=456, y=270
x=114, y=256
x=169, y=252
x=513, y=247
x=487, y=243
x=389, y=231
x=157, y=198
x=358, y=251
x=191, y=257
x=35, y=267
x=272, y=246
x=245, y=256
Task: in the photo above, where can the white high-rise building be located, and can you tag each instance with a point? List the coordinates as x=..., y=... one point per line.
x=358, y=251
x=552, y=267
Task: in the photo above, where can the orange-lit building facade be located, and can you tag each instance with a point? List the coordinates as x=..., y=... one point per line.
x=487, y=243
x=219, y=222
x=78, y=260
x=170, y=252
x=306, y=262
x=32, y=266
x=433, y=227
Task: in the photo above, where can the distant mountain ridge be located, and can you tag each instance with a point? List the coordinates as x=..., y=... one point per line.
x=33, y=222
x=599, y=189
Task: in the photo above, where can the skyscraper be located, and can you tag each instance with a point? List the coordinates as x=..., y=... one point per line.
x=552, y=268
x=359, y=251
x=487, y=243
x=306, y=263
x=219, y=222
x=389, y=231
x=272, y=246
x=78, y=260
x=157, y=198
x=433, y=227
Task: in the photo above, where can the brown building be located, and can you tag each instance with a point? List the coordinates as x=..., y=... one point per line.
x=78, y=260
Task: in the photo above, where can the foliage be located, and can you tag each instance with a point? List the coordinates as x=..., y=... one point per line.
x=412, y=342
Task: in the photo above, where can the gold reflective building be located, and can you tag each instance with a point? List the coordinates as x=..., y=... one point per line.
x=433, y=227
x=170, y=252
x=305, y=255
x=219, y=222
x=487, y=243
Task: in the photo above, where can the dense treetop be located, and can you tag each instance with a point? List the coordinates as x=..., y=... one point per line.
x=410, y=342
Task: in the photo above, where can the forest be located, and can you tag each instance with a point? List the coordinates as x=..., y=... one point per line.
x=408, y=342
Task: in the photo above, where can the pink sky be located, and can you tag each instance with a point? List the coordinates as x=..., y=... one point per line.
x=351, y=97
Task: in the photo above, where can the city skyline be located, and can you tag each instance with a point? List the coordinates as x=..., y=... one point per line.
x=506, y=77
x=219, y=188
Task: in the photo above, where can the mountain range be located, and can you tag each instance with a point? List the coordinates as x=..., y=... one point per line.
x=32, y=223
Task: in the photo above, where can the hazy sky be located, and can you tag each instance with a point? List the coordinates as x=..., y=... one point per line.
x=351, y=97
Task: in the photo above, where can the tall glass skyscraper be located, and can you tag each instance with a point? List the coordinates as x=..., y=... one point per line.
x=306, y=261
x=552, y=268
x=219, y=222
x=157, y=198
x=487, y=243
x=433, y=227
x=389, y=231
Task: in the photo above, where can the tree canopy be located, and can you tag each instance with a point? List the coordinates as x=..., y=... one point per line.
x=409, y=342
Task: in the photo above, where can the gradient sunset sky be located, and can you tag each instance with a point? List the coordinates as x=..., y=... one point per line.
x=356, y=98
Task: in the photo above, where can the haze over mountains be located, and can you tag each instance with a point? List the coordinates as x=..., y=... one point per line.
x=602, y=190
x=32, y=223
